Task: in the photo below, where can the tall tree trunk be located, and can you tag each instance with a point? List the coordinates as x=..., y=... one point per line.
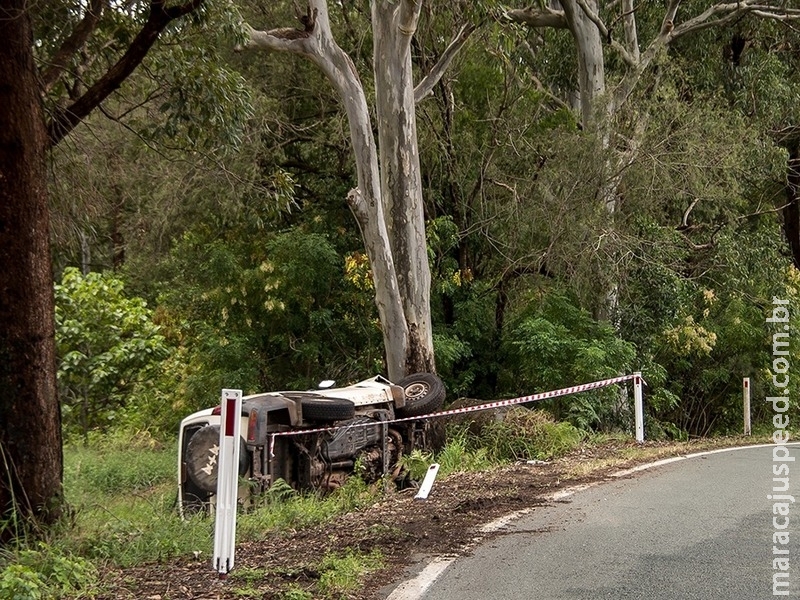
x=394, y=25
x=791, y=211
x=589, y=46
x=31, y=461
x=388, y=200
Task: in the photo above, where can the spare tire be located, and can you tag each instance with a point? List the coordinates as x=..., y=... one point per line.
x=424, y=393
x=202, y=456
x=322, y=408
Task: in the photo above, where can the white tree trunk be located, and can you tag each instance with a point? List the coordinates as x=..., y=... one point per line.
x=365, y=201
x=589, y=46
x=387, y=203
x=394, y=24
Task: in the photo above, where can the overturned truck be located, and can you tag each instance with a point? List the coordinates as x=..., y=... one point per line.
x=323, y=436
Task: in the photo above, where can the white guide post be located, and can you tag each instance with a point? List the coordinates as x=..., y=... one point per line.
x=427, y=483
x=227, y=482
x=746, y=404
x=638, y=408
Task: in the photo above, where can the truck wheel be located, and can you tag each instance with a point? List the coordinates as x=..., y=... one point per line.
x=202, y=457
x=320, y=408
x=424, y=393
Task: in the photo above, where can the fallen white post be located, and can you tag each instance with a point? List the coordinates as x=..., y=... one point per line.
x=427, y=483
x=746, y=404
x=637, y=404
x=227, y=482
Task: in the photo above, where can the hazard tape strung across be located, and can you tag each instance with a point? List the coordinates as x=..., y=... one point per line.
x=585, y=387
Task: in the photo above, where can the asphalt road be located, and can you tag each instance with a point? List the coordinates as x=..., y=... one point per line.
x=698, y=528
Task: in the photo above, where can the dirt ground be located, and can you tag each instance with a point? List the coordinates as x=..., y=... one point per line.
x=404, y=530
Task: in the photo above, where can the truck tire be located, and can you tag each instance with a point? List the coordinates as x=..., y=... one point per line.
x=202, y=456
x=424, y=393
x=320, y=408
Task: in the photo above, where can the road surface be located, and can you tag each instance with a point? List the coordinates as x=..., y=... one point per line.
x=698, y=528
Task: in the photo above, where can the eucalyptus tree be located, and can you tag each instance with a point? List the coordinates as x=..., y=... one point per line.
x=616, y=46
x=598, y=29
x=60, y=63
x=387, y=202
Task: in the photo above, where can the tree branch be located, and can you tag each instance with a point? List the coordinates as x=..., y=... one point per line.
x=722, y=14
x=425, y=86
x=408, y=17
x=66, y=119
x=629, y=26
x=537, y=17
x=72, y=44
x=269, y=40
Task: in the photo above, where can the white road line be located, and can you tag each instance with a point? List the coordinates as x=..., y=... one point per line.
x=413, y=589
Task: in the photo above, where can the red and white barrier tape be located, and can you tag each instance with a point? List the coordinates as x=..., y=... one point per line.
x=467, y=409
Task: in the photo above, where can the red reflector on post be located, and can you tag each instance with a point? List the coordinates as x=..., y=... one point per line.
x=230, y=416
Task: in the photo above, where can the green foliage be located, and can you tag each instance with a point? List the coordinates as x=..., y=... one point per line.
x=460, y=454
x=44, y=573
x=416, y=463
x=519, y=434
x=107, y=344
x=555, y=344
x=271, y=311
x=524, y=434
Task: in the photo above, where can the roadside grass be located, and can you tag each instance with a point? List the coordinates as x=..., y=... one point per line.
x=122, y=496
x=649, y=451
x=336, y=575
x=283, y=508
x=522, y=435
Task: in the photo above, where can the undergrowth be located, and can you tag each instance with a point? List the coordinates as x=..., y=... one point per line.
x=122, y=493
x=522, y=434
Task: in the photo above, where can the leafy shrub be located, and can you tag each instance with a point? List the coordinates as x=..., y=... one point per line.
x=44, y=573
x=556, y=344
x=107, y=343
x=528, y=434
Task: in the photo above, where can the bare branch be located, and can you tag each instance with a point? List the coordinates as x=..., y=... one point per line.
x=538, y=17
x=722, y=14
x=65, y=119
x=276, y=40
x=789, y=14
x=425, y=86
x=687, y=212
x=72, y=44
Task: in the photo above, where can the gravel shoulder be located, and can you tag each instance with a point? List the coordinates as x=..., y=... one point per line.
x=405, y=531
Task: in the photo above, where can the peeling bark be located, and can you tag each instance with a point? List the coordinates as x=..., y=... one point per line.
x=401, y=182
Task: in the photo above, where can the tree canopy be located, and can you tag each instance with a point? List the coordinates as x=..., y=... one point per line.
x=528, y=195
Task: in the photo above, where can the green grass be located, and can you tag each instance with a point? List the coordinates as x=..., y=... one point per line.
x=295, y=510
x=343, y=572
x=122, y=494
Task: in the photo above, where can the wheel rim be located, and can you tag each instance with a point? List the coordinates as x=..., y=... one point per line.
x=416, y=390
